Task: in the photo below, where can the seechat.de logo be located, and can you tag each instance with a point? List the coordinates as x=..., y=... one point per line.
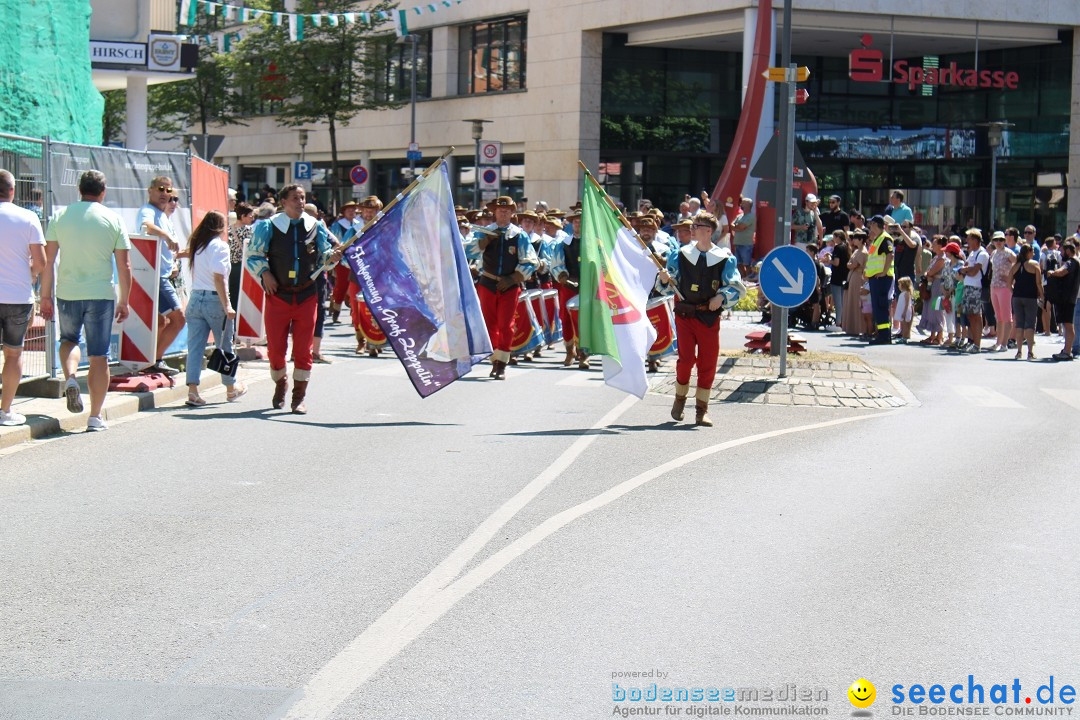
x=866, y=64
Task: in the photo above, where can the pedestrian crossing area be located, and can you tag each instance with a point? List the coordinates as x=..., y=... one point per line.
x=984, y=396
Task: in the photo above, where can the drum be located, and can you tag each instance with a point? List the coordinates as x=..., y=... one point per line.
x=364, y=321
x=528, y=333
x=660, y=311
x=548, y=305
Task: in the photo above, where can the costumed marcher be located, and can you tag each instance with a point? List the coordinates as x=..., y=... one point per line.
x=648, y=231
x=341, y=271
x=566, y=267
x=285, y=251
x=506, y=261
x=708, y=279
x=541, y=279
x=369, y=336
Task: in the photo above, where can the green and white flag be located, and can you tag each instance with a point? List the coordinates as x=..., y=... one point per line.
x=617, y=275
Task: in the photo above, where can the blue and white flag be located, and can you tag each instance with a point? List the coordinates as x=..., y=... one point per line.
x=412, y=269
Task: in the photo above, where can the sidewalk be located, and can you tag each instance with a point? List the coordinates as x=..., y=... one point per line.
x=49, y=416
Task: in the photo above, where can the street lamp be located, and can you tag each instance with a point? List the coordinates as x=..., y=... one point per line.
x=994, y=135
x=303, y=132
x=412, y=40
x=477, y=134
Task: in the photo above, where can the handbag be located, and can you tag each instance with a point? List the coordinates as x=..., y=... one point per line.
x=226, y=363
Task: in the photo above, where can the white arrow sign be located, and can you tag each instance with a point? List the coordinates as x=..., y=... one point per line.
x=794, y=284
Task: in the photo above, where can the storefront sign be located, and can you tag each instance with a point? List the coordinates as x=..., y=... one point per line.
x=117, y=53
x=164, y=53
x=868, y=65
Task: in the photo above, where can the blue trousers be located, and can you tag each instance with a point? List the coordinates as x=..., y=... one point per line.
x=879, y=305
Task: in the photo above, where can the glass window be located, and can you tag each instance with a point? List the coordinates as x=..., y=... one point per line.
x=394, y=84
x=492, y=56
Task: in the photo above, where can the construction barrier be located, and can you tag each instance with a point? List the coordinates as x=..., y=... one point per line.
x=138, y=334
x=249, y=306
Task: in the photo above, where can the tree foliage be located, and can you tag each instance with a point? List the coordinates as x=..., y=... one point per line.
x=115, y=116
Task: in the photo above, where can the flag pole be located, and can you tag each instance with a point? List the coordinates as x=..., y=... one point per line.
x=626, y=224
x=400, y=196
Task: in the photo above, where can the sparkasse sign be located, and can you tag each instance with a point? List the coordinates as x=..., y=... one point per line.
x=866, y=64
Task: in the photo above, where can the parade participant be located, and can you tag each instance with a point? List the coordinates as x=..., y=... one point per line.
x=648, y=232
x=285, y=252
x=369, y=336
x=879, y=274
x=541, y=279
x=341, y=271
x=708, y=279
x=566, y=267
x=507, y=260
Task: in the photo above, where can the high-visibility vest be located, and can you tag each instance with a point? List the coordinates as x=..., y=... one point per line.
x=875, y=264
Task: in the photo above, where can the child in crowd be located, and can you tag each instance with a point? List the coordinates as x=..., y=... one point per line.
x=904, y=311
x=867, y=310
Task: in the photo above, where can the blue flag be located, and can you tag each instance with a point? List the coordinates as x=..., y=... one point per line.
x=415, y=278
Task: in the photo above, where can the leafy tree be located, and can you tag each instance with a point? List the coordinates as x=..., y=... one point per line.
x=114, y=117
x=325, y=79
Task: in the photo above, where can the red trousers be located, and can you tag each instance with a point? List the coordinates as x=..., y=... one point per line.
x=567, y=318
x=282, y=319
x=341, y=284
x=699, y=345
x=499, y=309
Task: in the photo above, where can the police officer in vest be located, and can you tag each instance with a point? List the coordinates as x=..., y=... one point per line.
x=506, y=259
x=708, y=278
x=879, y=273
x=285, y=251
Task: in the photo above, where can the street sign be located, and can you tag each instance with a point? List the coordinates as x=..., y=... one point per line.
x=801, y=96
x=301, y=170
x=788, y=276
x=413, y=147
x=414, y=155
x=491, y=153
x=779, y=74
x=489, y=179
x=358, y=174
x=765, y=167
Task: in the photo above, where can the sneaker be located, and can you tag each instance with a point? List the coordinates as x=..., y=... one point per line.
x=11, y=419
x=1011, y=344
x=95, y=423
x=73, y=395
x=160, y=369
x=971, y=349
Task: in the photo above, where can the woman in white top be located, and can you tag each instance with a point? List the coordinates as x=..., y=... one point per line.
x=209, y=307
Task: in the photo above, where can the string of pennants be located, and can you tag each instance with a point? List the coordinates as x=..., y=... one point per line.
x=189, y=10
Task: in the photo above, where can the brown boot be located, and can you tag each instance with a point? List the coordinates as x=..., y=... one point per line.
x=500, y=370
x=298, y=393
x=680, y=401
x=280, y=387
x=571, y=353
x=702, y=407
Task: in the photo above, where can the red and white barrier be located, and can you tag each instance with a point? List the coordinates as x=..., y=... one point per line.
x=138, y=334
x=249, y=306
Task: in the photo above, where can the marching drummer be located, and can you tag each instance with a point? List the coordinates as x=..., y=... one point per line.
x=541, y=279
x=708, y=279
x=566, y=267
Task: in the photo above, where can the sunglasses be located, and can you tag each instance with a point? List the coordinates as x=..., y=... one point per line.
x=1029, y=232
x=701, y=225
x=174, y=200
x=163, y=188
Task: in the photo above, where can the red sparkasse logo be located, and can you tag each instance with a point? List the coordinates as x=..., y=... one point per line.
x=866, y=64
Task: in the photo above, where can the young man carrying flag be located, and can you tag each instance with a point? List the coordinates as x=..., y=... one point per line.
x=617, y=274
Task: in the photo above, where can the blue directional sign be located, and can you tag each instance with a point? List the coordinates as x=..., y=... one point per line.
x=301, y=171
x=414, y=155
x=788, y=276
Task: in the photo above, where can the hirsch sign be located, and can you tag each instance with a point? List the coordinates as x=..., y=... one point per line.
x=866, y=64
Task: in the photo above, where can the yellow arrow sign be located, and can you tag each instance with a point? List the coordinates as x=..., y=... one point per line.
x=779, y=74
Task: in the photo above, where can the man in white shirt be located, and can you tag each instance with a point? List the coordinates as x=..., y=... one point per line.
x=153, y=220
x=22, y=258
x=971, y=304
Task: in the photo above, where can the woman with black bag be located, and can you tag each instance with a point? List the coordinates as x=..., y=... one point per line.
x=209, y=308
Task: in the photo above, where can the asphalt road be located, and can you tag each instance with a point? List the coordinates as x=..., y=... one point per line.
x=510, y=550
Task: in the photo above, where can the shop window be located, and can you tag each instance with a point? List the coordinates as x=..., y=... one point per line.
x=492, y=56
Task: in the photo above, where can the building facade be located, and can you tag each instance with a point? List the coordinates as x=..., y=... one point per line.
x=943, y=98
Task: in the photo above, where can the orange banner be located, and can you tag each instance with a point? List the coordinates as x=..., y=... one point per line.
x=209, y=190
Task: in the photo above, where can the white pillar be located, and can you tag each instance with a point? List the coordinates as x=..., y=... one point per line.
x=1073, y=198
x=136, y=112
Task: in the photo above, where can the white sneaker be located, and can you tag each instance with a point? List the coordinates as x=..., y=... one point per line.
x=11, y=419
x=95, y=423
x=74, y=397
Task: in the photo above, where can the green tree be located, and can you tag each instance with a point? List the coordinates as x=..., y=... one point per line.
x=325, y=79
x=115, y=116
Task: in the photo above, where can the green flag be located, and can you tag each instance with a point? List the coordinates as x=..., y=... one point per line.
x=599, y=226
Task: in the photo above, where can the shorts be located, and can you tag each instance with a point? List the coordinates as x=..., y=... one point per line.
x=1025, y=311
x=744, y=254
x=1065, y=312
x=971, y=301
x=168, y=300
x=95, y=315
x=14, y=320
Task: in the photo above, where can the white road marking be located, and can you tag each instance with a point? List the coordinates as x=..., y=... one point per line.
x=437, y=593
x=1069, y=397
x=985, y=397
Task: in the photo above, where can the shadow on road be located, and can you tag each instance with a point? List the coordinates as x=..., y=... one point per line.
x=610, y=430
x=286, y=416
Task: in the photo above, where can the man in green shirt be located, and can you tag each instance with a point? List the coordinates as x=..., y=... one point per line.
x=744, y=235
x=86, y=236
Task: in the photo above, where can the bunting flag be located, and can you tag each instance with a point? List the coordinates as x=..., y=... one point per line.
x=189, y=10
x=616, y=277
x=416, y=282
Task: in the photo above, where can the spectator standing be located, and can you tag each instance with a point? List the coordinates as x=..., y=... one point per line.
x=806, y=223
x=86, y=237
x=1050, y=260
x=933, y=305
x=834, y=218
x=974, y=274
x=898, y=209
x=209, y=308
x=1002, y=258
x=879, y=273
x=1025, y=277
x=153, y=219
x=239, y=237
x=22, y=258
x=852, y=316
x=838, y=259
x=744, y=235
x=1065, y=296
x=904, y=309
x=951, y=288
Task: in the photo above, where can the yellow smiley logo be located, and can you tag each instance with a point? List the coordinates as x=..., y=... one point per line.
x=862, y=693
